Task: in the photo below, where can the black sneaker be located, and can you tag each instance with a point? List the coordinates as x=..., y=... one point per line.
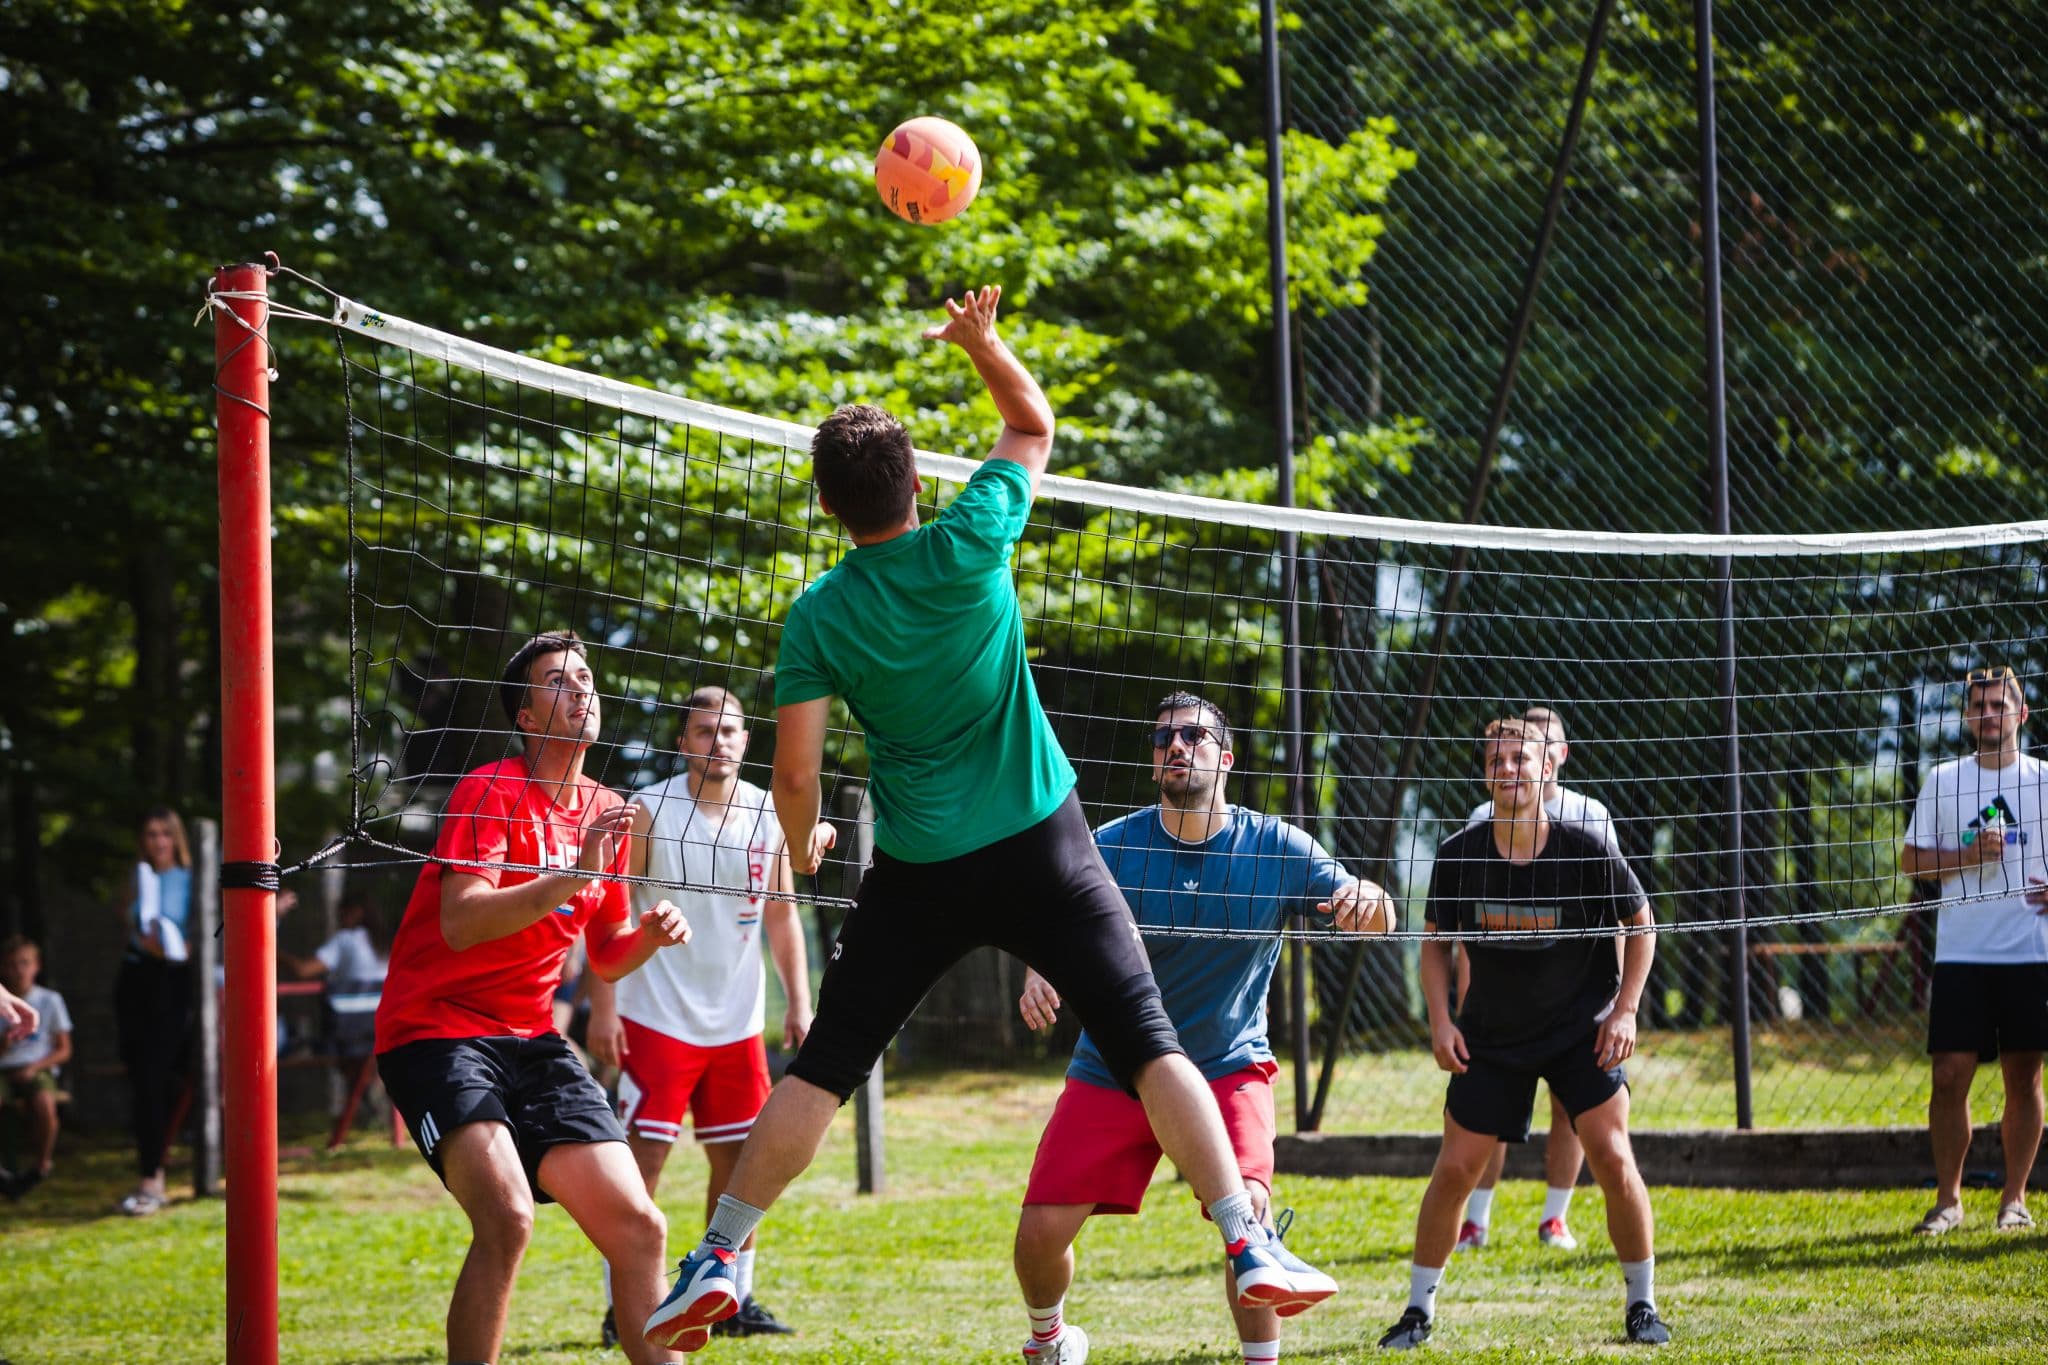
x=23, y=1182
x=1645, y=1328
x=608, y=1330
x=751, y=1321
x=1411, y=1331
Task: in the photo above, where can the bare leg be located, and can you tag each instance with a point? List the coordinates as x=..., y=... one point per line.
x=1604, y=1131
x=784, y=1141
x=1044, y=1253
x=1562, y=1152
x=1495, y=1164
x=600, y=1186
x=1948, y=1123
x=42, y=1126
x=1182, y=1111
x=484, y=1175
x=723, y=1157
x=1459, y=1163
x=2021, y=1125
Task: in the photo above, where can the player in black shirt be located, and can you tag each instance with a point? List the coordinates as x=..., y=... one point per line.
x=1554, y=1009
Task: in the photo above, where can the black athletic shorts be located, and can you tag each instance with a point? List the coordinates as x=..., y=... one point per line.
x=1042, y=895
x=1498, y=1099
x=1988, y=1008
x=534, y=1086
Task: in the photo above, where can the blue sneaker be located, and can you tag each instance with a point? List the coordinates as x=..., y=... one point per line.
x=1301, y=1271
x=705, y=1293
x=1270, y=1276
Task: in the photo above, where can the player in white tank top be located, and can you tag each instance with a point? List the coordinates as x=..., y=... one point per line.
x=687, y=1027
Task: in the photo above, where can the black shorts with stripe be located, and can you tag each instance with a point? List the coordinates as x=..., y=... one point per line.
x=534, y=1086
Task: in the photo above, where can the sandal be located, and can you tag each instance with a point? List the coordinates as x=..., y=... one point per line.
x=2013, y=1217
x=1942, y=1218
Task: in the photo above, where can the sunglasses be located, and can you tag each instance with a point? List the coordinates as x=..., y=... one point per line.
x=1191, y=735
x=2002, y=673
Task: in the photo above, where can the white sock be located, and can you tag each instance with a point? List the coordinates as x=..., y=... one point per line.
x=732, y=1223
x=1641, y=1278
x=1047, y=1323
x=1479, y=1208
x=1234, y=1217
x=743, y=1274
x=1556, y=1202
x=1261, y=1352
x=1422, y=1283
x=607, y=1267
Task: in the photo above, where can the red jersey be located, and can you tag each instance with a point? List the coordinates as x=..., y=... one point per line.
x=497, y=815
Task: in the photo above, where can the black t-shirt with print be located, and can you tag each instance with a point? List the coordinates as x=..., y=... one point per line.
x=1532, y=997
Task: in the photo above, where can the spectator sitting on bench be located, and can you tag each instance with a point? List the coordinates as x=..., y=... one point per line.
x=28, y=1068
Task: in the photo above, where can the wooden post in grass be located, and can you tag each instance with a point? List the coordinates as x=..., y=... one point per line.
x=870, y=1145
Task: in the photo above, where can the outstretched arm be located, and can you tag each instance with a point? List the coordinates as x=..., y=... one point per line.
x=1027, y=418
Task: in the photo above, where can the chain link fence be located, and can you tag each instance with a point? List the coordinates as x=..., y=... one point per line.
x=1883, y=213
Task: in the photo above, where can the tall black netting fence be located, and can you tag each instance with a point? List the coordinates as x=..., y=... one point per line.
x=1884, y=224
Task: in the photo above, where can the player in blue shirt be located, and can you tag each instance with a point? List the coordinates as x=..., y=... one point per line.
x=1193, y=861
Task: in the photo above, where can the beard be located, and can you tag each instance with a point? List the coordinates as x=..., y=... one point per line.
x=1187, y=787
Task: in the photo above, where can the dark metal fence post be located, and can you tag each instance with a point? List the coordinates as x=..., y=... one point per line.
x=1724, y=567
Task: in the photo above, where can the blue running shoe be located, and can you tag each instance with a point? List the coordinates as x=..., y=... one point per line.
x=1301, y=1271
x=1265, y=1280
x=705, y=1293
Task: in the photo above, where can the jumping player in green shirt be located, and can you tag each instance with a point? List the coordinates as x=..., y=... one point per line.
x=979, y=838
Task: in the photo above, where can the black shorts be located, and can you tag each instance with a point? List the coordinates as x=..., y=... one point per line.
x=534, y=1086
x=1042, y=895
x=1497, y=1098
x=1988, y=1008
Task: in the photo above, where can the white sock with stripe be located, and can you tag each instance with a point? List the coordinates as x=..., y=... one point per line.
x=1261, y=1352
x=1047, y=1323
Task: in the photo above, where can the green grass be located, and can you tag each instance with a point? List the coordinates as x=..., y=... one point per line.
x=1799, y=1078
x=371, y=1245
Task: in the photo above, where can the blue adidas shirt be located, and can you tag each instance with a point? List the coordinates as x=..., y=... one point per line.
x=1249, y=876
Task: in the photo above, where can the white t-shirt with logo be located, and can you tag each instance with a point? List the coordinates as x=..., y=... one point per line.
x=53, y=1019
x=1994, y=923
x=712, y=990
x=1567, y=808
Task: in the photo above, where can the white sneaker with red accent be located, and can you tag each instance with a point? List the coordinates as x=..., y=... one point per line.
x=1471, y=1236
x=1070, y=1347
x=1553, y=1233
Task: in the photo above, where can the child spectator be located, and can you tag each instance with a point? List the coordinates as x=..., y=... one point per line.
x=28, y=1068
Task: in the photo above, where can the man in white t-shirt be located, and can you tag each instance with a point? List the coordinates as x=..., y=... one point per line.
x=1563, y=1156
x=690, y=1022
x=1981, y=826
x=28, y=1065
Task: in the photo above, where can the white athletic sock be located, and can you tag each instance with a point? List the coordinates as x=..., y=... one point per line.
x=1047, y=1323
x=1261, y=1352
x=732, y=1223
x=1641, y=1279
x=1422, y=1283
x=743, y=1274
x=607, y=1266
x=1479, y=1208
x=1556, y=1202
x=1234, y=1218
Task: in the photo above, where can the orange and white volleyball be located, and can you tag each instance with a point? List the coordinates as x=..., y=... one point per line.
x=928, y=170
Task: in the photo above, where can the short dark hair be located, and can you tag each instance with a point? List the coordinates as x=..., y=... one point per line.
x=1186, y=701
x=512, y=684
x=865, y=468
x=14, y=943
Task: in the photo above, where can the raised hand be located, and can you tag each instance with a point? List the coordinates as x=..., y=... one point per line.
x=602, y=839
x=665, y=924
x=971, y=320
x=1360, y=907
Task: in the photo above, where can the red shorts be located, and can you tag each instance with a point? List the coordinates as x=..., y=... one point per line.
x=1098, y=1148
x=722, y=1088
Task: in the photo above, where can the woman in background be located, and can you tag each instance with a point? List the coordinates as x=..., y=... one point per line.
x=154, y=1009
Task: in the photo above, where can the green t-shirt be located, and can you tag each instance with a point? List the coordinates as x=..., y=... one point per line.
x=922, y=637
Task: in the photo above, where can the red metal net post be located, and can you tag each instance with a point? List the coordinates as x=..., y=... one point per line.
x=241, y=320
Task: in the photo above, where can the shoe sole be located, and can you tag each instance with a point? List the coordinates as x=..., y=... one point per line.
x=1285, y=1300
x=690, y=1329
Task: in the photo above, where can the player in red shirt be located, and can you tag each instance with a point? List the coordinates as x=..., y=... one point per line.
x=497, y=1103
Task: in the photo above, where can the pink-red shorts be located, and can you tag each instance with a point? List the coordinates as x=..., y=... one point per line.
x=721, y=1088
x=1098, y=1148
